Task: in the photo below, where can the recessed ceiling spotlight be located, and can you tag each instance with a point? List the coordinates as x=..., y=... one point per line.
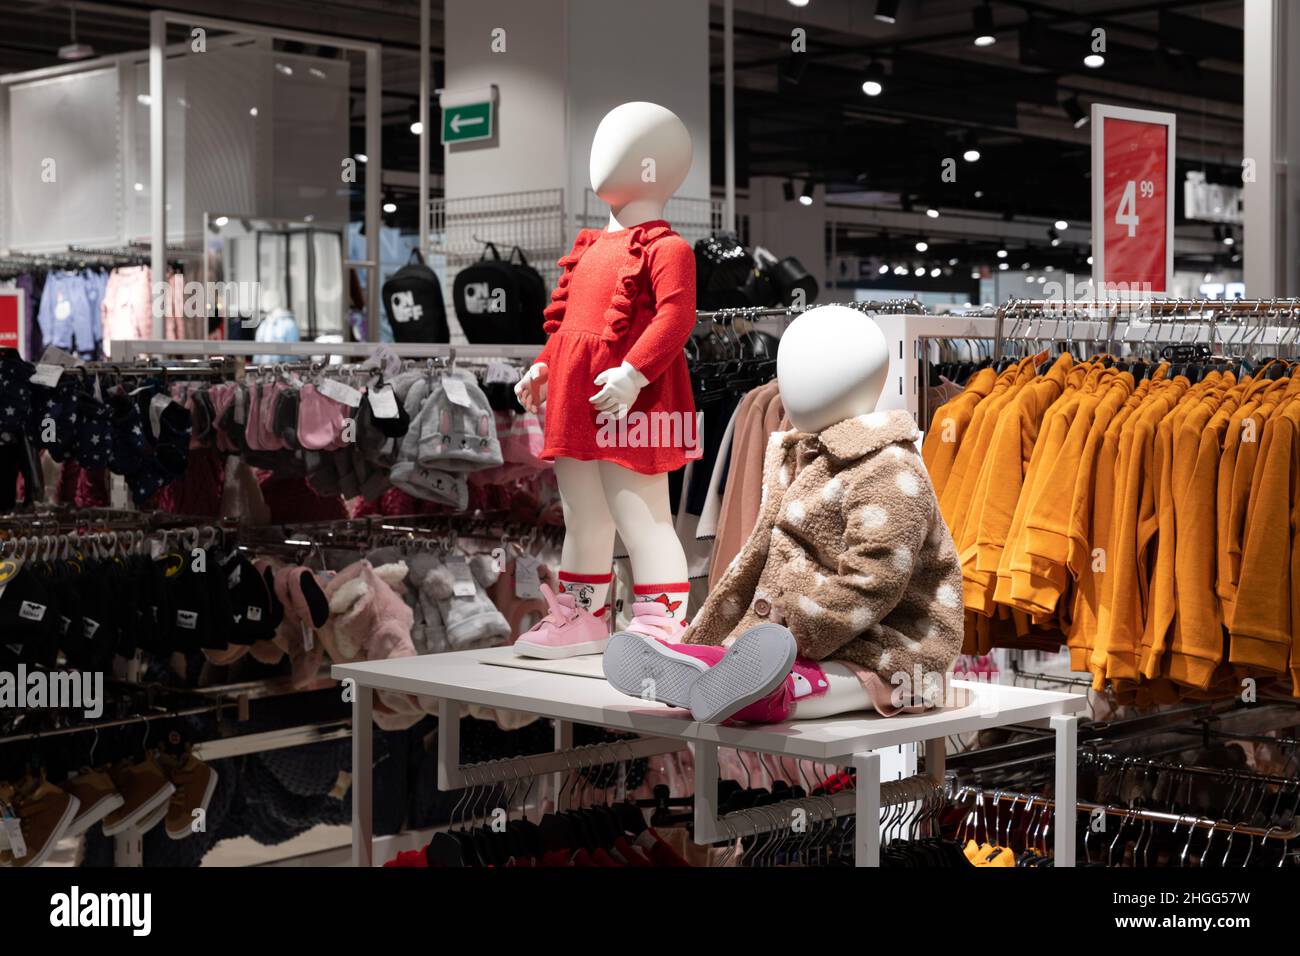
x=1003, y=267
x=1002, y=253
x=984, y=35
x=874, y=84
x=1062, y=225
x=1094, y=61
x=922, y=246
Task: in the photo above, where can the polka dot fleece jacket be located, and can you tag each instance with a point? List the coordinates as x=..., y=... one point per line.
x=850, y=553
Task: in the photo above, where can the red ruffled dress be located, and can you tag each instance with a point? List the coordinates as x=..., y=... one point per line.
x=626, y=296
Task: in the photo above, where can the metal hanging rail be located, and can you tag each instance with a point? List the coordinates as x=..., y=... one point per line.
x=884, y=307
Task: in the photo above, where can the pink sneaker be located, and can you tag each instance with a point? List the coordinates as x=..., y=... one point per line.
x=652, y=619
x=567, y=631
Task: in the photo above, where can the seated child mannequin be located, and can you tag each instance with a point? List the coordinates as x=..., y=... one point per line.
x=847, y=595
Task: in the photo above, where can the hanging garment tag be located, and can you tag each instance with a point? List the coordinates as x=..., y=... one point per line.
x=457, y=394
x=47, y=375
x=343, y=394
x=308, y=637
x=462, y=577
x=383, y=402
x=13, y=831
x=157, y=405
x=528, y=584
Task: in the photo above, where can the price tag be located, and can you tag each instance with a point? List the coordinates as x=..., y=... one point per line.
x=383, y=403
x=157, y=405
x=13, y=831
x=1132, y=205
x=457, y=394
x=462, y=578
x=528, y=584
x=341, y=393
x=47, y=375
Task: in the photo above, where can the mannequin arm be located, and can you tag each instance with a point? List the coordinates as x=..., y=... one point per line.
x=672, y=279
x=884, y=533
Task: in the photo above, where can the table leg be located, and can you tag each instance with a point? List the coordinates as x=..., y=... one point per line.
x=867, y=807
x=363, y=820
x=1066, y=791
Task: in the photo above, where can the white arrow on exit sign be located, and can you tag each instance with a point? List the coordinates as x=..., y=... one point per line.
x=458, y=122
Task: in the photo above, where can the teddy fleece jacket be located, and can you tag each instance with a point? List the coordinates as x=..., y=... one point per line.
x=850, y=553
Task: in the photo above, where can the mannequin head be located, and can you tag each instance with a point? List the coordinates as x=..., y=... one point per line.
x=270, y=301
x=640, y=155
x=831, y=365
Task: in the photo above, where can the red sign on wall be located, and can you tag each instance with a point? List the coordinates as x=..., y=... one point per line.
x=1132, y=204
x=13, y=320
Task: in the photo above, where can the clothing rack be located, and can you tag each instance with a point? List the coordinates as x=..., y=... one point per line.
x=128, y=350
x=1136, y=813
x=750, y=313
x=1206, y=313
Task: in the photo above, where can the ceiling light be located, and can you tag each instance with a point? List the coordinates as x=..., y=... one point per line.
x=932, y=213
x=979, y=194
x=922, y=246
x=1228, y=240
x=952, y=261
x=1024, y=267
x=390, y=206
x=887, y=11
x=935, y=273
x=73, y=50
x=798, y=3
x=1094, y=61
x=1062, y=225
x=1075, y=111
x=417, y=128
x=252, y=111
x=874, y=83
x=1003, y=267
x=144, y=99
x=918, y=271
x=883, y=270
x=1209, y=277
x=1002, y=253
x=970, y=148
x=1090, y=260
x=900, y=270
x=362, y=158
x=139, y=187
x=1042, y=279
x=984, y=35
x=1056, y=242
x=974, y=274
x=221, y=221
x=806, y=196
x=284, y=69
x=1030, y=278
x=1049, y=268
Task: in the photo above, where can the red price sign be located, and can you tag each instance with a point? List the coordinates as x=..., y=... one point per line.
x=13, y=320
x=1132, y=205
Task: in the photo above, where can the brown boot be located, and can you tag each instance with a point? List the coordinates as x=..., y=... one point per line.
x=195, y=783
x=44, y=812
x=98, y=797
x=144, y=787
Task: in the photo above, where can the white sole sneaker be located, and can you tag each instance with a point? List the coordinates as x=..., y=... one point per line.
x=87, y=817
x=56, y=834
x=640, y=666
x=188, y=829
x=559, y=652
x=143, y=811
x=755, y=665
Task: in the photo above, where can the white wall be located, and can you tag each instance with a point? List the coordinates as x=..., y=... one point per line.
x=566, y=64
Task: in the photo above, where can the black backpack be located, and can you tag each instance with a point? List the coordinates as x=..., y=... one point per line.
x=413, y=303
x=722, y=268
x=499, y=301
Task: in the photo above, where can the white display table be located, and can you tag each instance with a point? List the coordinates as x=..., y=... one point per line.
x=491, y=678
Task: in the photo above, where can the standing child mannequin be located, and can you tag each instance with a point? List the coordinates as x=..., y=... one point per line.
x=847, y=595
x=618, y=321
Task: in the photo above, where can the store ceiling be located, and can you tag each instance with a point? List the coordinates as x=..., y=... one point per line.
x=807, y=117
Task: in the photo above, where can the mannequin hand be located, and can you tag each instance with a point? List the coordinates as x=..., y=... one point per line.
x=531, y=387
x=619, y=390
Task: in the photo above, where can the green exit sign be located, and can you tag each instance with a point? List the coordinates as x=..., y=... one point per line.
x=464, y=124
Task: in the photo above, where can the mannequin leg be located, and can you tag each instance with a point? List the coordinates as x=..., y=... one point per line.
x=587, y=554
x=844, y=694
x=639, y=505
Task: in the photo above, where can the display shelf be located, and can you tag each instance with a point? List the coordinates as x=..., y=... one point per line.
x=851, y=739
